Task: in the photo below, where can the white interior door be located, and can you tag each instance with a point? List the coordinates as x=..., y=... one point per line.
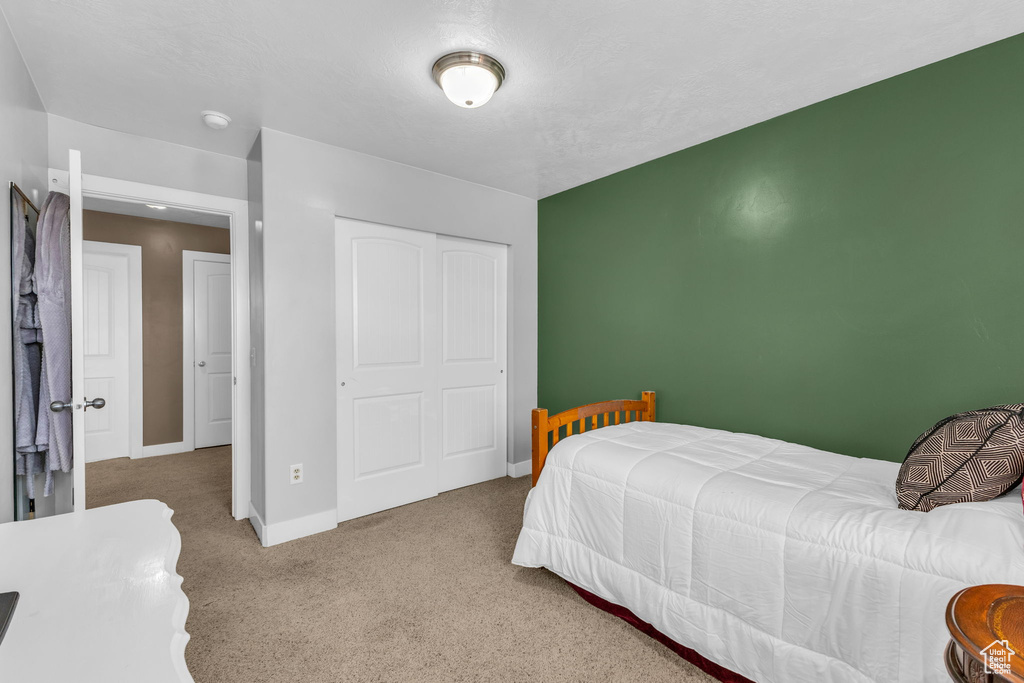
x=112, y=337
x=473, y=379
x=78, y=389
x=212, y=348
x=69, y=488
x=387, y=348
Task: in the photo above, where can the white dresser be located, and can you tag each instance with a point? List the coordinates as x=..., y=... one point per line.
x=100, y=597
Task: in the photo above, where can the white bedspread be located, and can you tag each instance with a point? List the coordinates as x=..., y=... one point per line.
x=777, y=561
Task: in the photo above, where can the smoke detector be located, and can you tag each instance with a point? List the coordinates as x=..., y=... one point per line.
x=216, y=120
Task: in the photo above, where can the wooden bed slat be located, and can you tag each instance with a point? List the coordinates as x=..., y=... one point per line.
x=546, y=429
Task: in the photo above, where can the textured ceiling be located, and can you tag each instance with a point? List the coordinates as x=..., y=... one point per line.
x=169, y=213
x=594, y=86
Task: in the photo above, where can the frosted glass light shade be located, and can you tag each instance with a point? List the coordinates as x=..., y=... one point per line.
x=468, y=79
x=468, y=86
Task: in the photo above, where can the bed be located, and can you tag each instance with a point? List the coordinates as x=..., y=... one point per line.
x=773, y=561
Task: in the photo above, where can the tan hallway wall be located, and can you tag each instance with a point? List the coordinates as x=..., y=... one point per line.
x=162, y=243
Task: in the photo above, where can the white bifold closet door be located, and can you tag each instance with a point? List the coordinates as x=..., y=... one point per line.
x=421, y=377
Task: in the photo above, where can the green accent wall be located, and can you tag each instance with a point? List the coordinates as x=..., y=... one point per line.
x=842, y=276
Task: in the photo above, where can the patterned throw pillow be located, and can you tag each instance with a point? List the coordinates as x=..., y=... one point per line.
x=967, y=457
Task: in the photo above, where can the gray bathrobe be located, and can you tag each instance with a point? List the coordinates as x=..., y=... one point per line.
x=28, y=460
x=53, y=292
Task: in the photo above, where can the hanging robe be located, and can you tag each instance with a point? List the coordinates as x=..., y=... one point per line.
x=53, y=300
x=28, y=460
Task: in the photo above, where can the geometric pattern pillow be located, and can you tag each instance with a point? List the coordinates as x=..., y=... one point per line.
x=967, y=457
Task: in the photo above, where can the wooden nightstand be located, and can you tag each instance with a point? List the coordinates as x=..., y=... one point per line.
x=986, y=625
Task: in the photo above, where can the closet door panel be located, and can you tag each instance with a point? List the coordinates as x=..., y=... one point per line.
x=388, y=395
x=388, y=283
x=472, y=374
x=470, y=420
x=386, y=433
x=470, y=284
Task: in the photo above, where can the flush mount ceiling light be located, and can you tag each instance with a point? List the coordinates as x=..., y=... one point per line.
x=216, y=120
x=468, y=78
x=156, y=206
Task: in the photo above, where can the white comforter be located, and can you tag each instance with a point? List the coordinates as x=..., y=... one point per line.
x=777, y=561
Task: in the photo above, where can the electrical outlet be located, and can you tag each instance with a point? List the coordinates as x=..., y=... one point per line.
x=296, y=474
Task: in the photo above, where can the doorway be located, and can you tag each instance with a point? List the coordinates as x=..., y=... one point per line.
x=98, y=192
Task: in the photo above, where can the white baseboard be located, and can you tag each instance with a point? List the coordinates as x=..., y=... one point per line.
x=257, y=524
x=164, y=449
x=520, y=469
x=282, y=532
x=93, y=458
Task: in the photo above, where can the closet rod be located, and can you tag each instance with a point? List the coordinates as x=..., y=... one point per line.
x=24, y=196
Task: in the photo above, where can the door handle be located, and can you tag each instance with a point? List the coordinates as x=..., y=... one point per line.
x=58, y=406
x=202, y=363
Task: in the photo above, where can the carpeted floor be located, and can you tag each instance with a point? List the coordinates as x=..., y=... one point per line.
x=420, y=593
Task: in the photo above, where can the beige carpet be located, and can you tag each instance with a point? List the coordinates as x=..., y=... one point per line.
x=419, y=593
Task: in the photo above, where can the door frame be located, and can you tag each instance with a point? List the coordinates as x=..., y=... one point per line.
x=188, y=340
x=237, y=213
x=133, y=253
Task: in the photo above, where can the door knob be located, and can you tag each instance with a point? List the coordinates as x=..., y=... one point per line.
x=202, y=363
x=58, y=406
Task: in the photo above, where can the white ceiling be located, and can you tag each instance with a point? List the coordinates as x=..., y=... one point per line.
x=168, y=213
x=594, y=86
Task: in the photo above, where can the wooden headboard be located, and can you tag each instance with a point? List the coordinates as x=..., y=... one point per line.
x=548, y=430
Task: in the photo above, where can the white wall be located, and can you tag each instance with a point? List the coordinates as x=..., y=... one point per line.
x=111, y=154
x=22, y=160
x=305, y=185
